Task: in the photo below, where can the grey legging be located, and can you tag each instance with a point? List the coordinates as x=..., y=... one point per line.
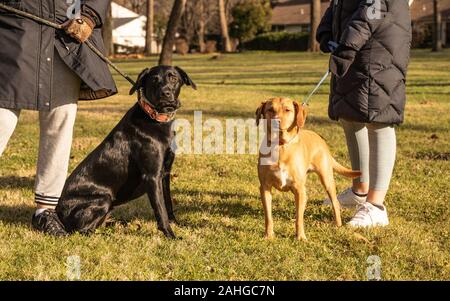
x=372, y=148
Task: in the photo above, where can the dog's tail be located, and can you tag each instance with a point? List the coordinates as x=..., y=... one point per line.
x=345, y=171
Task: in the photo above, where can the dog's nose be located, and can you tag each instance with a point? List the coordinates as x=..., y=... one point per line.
x=166, y=92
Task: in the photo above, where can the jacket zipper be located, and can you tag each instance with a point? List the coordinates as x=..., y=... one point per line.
x=39, y=57
x=339, y=8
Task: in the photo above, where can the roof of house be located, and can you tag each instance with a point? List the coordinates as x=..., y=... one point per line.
x=118, y=22
x=294, y=12
x=122, y=15
x=297, y=12
x=422, y=10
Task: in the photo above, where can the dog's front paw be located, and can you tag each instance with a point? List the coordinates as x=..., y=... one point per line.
x=301, y=238
x=169, y=233
x=173, y=220
x=269, y=236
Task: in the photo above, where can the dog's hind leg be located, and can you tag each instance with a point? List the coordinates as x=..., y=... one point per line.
x=88, y=215
x=327, y=178
x=168, y=162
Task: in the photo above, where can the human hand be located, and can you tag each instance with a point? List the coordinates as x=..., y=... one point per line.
x=80, y=29
x=324, y=41
x=332, y=46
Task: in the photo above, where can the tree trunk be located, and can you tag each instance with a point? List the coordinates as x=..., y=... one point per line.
x=201, y=27
x=224, y=26
x=315, y=22
x=107, y=33
x=172, y=26
x=437, y=26
x=149, y=28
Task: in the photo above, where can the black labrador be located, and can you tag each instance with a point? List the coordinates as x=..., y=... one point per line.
x=134, y=159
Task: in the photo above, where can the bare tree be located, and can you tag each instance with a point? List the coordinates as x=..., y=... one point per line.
x=315, y=21
x=201, y=27
x=107, y=33
x=224, y=26
x=437, y=26
x=149, y=27
x=172, y=26
x=189, y=21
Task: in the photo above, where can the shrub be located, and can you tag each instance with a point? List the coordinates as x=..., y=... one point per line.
x=249, y=19
x=279, y=41
x=422, y=35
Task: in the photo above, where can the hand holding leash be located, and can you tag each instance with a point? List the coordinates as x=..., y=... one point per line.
x=80, y=29
x=332, y=46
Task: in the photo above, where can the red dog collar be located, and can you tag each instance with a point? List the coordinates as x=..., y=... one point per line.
x=152, y=113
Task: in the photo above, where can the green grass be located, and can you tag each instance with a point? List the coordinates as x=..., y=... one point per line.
x=217, y=198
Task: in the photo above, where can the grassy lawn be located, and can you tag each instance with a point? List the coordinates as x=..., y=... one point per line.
x=217, y=196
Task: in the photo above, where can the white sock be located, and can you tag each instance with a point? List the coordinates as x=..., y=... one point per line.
x=40, y=211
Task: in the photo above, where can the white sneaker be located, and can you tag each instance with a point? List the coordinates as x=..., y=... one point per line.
x=348, y=199
x=369, y=215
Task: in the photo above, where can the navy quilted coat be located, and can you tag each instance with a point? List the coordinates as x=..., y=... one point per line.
x=369, y=68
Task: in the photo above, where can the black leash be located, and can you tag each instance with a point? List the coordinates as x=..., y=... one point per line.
x=60, y=27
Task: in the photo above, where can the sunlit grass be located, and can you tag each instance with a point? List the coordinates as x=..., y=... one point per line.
x=217, y=199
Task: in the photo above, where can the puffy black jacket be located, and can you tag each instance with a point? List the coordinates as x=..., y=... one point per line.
x=27, y=50
x=369, y=67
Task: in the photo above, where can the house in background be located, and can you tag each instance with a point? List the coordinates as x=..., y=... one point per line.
x=129, y=30
x=422, y=15
x=295, y=16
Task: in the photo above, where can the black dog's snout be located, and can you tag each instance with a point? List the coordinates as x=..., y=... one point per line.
x=167, y=93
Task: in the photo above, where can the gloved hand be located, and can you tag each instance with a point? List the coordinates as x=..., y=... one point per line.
x=341, y=60
x=80, y=29
x=333, y=46
x=324, y=40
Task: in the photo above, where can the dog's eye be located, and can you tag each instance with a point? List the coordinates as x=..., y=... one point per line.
x=173, y=79
x=287, y=110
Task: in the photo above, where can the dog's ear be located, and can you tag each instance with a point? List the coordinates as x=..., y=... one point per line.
x=185, y=78
x=301, y=114
x=139, y=81
x=260, y=112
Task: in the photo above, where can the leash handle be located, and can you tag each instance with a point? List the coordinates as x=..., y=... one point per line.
x=60, y=27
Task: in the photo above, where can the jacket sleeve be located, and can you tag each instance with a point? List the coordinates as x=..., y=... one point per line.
x=362, y=25
x=325, y=28
x=100, y=7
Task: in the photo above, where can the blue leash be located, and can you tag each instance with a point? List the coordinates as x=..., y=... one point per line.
x=332, y=46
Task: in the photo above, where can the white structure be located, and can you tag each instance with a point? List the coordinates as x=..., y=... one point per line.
x=128, y=28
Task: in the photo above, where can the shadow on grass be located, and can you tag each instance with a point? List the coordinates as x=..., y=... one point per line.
x=19, y=214
x=14, y=182
x=16, y=215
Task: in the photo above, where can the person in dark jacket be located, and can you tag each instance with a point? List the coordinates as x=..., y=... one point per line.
x=369, y=66
x=46, y=70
